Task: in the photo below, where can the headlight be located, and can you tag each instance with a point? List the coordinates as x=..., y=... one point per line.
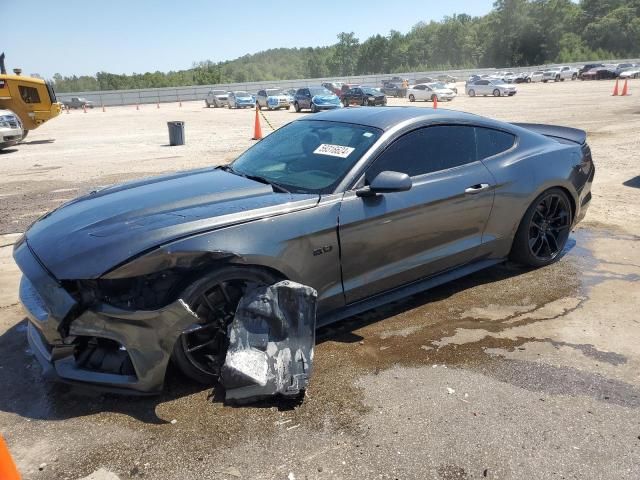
x=372, y=99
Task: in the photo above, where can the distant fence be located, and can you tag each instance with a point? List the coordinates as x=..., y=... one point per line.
x=199, y=92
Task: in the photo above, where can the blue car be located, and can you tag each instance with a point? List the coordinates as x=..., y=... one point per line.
x=315, y=99
x=240, y=99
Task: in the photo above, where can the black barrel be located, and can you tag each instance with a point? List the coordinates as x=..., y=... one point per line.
x=176, y=133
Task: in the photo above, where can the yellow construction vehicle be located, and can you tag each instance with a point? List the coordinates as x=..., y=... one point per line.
x=31, y=99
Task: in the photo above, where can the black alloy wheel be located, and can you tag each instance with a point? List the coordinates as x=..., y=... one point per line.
x=544, y=230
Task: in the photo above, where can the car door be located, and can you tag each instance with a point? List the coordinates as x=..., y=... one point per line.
x=397, y=238
x=306, y=102
x=262, y=98
x=418, y=92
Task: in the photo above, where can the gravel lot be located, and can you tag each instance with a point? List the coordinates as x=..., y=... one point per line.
x=505, y=374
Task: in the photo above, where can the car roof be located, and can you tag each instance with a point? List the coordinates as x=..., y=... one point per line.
x=386, y=118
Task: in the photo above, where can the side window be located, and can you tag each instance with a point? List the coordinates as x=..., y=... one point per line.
x=492, y=142
x=427, y=150
x=29, y=94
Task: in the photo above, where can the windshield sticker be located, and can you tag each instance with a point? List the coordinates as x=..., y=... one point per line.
x=367, y=134
x=333, y=150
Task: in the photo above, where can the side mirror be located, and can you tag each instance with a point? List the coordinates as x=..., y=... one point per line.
x=386, y=182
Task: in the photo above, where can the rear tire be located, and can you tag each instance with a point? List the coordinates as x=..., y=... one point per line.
x=199, y=352
x=544, y=229
x=296, y=107
x=206, y=102
x=314, y=109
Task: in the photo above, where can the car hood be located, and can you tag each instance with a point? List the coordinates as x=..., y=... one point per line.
x=244, y=99
x=90, y=235
x=326, y=99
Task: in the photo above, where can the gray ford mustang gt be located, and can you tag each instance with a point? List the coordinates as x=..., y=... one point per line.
x=363, y=205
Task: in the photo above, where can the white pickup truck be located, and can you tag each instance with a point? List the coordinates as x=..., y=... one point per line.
x=560, y=74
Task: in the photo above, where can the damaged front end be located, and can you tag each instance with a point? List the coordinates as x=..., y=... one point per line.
x=119, y=334
x=117, y=348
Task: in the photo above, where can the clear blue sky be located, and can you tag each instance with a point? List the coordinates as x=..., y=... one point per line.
x=87, y=36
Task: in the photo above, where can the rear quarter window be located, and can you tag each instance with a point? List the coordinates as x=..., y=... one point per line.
x=492, y=142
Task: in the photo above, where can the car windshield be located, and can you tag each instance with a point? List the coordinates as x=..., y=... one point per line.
x=320, y=91
x=496, y=82
x=307, y=156
x=370, y=91
x=241, y=94
x=439, y=85
x=274, y=91
x=219, y=92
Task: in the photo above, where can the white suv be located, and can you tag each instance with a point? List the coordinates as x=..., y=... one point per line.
x=10, y=129
x=560, y=74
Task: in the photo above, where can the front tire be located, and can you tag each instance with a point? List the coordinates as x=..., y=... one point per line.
x=544, y=229
x=200, y=350
x=472, y=93
x=314, y=108
x=496, y=93
x=412, y=98
x=296, y=107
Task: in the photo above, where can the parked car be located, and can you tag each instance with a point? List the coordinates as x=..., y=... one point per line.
x=240, y=99
x=335, y=87
x=346, y=87
x=272, y=98
x=10, y=129
x=587, y=67
x=632, y=72
x=621, y=67
x=364, y=209
x=446, y=79
x=315, y=99
x=424, y=80
x=536, y=76
x=429, y=92
x=393, y=88
x=486, y=87
x=599, y=73
x=365, y=96
x=78, y=102
x=560, y=74
x=522, y=77
x=216, y=98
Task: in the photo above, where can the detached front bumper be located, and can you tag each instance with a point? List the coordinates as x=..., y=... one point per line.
x=115, y=349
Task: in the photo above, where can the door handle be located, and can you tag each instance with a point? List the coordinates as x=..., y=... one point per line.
x=479, y=187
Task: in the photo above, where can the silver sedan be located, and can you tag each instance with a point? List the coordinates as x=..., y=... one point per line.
x=485, y=87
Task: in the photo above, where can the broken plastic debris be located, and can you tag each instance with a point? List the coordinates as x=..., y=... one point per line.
x=271, y=342
x=450, y=391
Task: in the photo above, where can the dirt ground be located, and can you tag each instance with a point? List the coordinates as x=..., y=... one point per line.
x=508, y=373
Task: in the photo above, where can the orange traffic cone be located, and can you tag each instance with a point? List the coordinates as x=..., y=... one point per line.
x=257, y=130
x=615, y=89
x=435, y=101
x=624, y=89
x=8, y=470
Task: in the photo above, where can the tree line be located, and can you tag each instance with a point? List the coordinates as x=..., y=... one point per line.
x=515, y=33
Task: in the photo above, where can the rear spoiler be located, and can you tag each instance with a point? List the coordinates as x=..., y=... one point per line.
x=554, y=131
